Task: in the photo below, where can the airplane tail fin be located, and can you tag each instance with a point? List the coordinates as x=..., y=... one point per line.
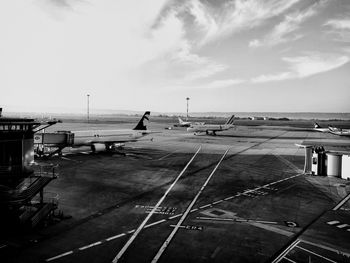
x=180, y=120
x=316, y=125
x=141, y=125
x=230, y=120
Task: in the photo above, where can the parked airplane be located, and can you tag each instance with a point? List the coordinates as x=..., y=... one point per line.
x=332, y=130
x=317, y=127
x=211, y=128
x=339, y=131
x=183, y=123
x=98, y=140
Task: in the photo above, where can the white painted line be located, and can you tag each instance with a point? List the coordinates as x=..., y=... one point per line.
x=179, y=226
x=194, y=210
x=175, y=216
x=286, y=251
x=155, y=223
x=172, y=217
x=179, y=223
x=59, y=256
x=144, y=222
x=165, y=156
x=3, y=245
x=333, y=222
x=327, y=248
x=237, y=220
x=342, y=226
x=318, y=255
x=288, y=259
x=217, y=202
x=131, y=231
x=91, y=245
x=264, y=222
x=342, y=202
x=114, y=237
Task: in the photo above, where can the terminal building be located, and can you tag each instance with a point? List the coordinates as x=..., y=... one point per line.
x=23, y=199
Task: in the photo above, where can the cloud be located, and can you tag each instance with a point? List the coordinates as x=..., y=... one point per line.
x=281, y=33
x=305, y=66
x=216, y=84
x=224, y=83
x=235, y=16
x=340, y=29
x=338, y=23
x=167, y=41
x=273, y=77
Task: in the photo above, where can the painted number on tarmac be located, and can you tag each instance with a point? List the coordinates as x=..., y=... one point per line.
x=165, y=210
x=339, y=225
x=190, y=227
x=291, y=224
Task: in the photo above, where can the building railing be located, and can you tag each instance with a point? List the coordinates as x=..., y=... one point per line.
x=47, y=170
x=48, y=198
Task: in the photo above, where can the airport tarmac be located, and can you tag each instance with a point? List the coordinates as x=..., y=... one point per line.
x=247, y=205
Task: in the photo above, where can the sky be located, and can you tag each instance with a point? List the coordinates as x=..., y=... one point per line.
x=225, y=55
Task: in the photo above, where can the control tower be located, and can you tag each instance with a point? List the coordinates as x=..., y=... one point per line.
x=23, y=201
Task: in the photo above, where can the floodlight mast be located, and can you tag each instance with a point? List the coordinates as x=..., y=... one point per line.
x=187, y=108
x=88, y=108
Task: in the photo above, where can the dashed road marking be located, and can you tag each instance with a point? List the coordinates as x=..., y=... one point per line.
x=155, y=223
x=144, y=222
x=91, y=245
x=59, y=256
x=343, y=225
x=179, y=223
x=333, y=222
x=114, y=237
x=172, y=217
x=175, y=216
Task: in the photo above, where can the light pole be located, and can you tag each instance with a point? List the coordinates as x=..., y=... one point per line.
x=88, y=105
x=187, y=107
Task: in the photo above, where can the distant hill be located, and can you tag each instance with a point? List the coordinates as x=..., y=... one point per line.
x=97, y=113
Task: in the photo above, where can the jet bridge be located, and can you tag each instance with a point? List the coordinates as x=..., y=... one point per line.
x=57, y=141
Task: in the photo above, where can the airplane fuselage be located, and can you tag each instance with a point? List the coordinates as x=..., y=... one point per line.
x=321, y=129
x=207, y=128
x=90, y=137
x=345, y=133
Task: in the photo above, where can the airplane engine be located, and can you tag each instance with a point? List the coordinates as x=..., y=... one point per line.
x=98, y=147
